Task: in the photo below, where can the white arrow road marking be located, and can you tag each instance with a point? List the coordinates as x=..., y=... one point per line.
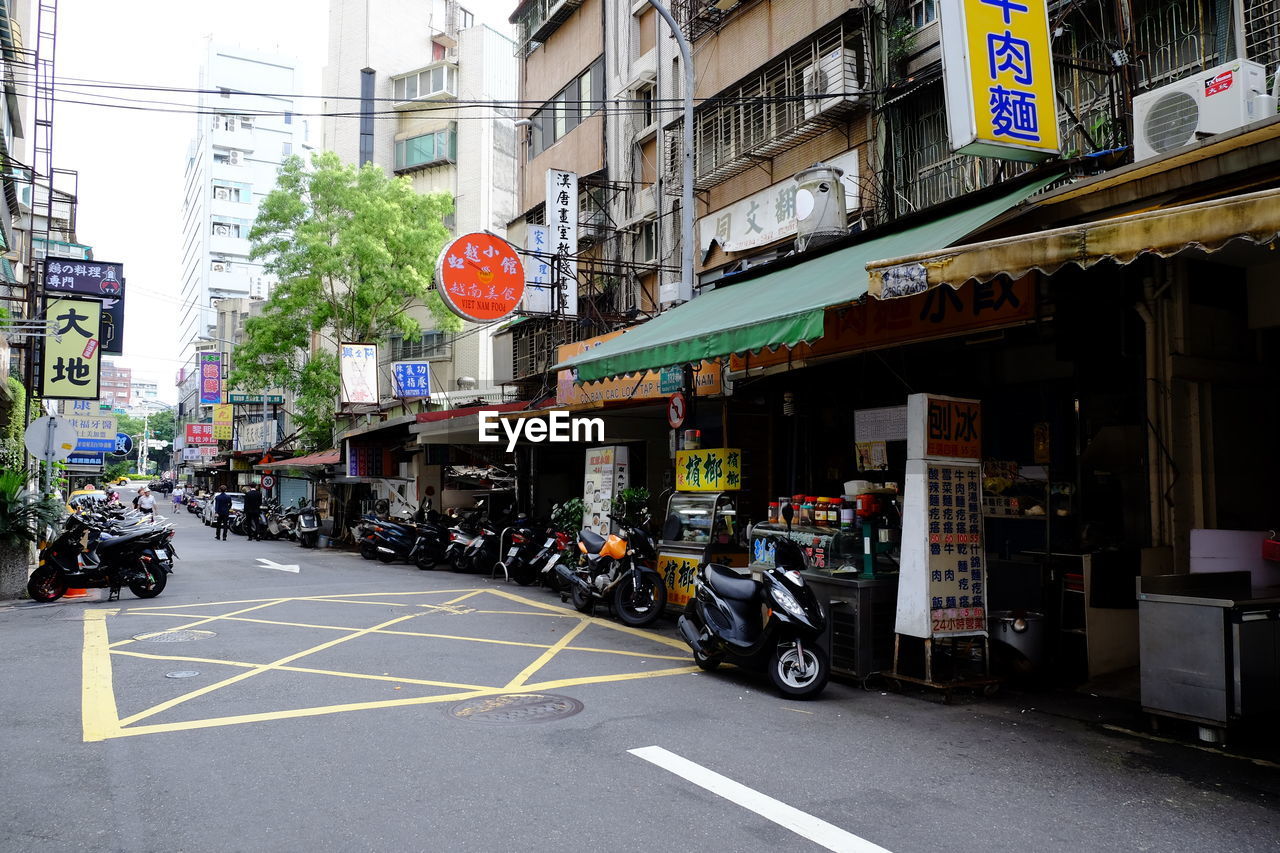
x=815, y=829
x=267, y=564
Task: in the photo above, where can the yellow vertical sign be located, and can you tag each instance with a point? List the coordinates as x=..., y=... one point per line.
x=998, y=64
x=72, y=350
x=222, y=422
x=715, y=469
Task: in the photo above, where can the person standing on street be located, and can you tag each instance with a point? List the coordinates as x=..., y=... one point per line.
x=147, y=503
x=252, y=509
x=221, y=513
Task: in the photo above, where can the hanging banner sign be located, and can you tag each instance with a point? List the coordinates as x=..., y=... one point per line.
x=411, y=378
x=210, y=378
x=713, y=469
x=190, y=454
x=96, y=431
x=199, y=434
x=72, y=355
x=998, y=74
x=480, y=277
x=359, y=372
x=538, y=295
x=222, y=421
x=562, y=223
x=101, y=280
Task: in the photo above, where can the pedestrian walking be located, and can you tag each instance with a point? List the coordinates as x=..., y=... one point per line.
x=252, y=510
x=221, y=513
x=147, y=503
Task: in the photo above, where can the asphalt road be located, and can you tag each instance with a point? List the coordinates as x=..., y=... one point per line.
x=355, y=706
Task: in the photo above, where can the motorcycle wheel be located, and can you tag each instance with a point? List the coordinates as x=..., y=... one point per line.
x=707, y=662
x=384, y=557
x=307, y=540
x=524, y=574
x=153, y=585
x=368, y=551
x=425, y=562
x=643, y=605
x=583, y=602
x=46, y=585
x=784, y=670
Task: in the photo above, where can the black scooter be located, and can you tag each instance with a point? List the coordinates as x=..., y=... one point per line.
x=772, y=623
x=140, y=557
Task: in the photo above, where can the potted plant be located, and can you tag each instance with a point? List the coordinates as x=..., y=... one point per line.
x=630, y=504
x=567, y=516
x=23, y=518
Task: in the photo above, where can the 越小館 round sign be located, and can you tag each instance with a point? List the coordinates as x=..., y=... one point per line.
x=480, y=277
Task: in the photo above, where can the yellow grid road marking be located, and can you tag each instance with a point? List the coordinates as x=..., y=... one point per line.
x=101, y=720
x=203, y=621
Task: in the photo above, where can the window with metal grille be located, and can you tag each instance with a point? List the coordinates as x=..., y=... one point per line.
x=432, y=345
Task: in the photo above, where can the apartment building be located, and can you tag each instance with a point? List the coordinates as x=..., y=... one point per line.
x=116, y=389
x=245, y=130
x=437, y=83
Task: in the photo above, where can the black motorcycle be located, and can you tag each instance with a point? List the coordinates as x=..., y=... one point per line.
x=518, y=552
x=772, y=623
x=308, y=526
x=140, y=557
x=617, y=570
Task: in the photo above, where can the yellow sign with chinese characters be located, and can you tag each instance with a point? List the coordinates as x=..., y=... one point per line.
x=716, y=469
x=678, y=572
x=73, y=349
x=222, y=414
x=998, y=70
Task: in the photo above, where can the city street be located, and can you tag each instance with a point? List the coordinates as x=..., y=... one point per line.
x=351, y=705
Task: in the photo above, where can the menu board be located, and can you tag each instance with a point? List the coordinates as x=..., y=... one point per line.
x=957, y=573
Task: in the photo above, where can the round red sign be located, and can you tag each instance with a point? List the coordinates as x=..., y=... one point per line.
x=480, y=277
x=676, y=410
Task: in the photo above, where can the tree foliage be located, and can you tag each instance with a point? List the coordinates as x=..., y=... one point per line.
x=23, y=515
x=352, y=250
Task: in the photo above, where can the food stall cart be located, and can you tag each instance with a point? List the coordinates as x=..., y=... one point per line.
x=701, y=521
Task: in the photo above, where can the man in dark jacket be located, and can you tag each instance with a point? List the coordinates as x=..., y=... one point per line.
x=221, y=512
x=252, y=509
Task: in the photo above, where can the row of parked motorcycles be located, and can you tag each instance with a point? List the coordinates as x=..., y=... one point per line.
x=298, y=523
x=105, y=546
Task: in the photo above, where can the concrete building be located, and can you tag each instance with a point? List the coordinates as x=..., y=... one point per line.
x=440, y=82
x=116, y=389
x=246, y=129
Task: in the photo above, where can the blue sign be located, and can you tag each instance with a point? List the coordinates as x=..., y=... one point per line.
x=412, y=378
x=84, y=459
x=96, y=445
x=124, y=444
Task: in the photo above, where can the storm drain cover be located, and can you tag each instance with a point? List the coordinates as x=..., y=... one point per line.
x=512, y=708
x=182, y=673
x=173, y=636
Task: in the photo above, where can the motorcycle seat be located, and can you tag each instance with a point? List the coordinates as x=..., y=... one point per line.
x=591, y=540
x=729, y=583
x=127, y=536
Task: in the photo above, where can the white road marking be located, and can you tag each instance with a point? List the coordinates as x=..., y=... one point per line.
x=268, y=564
x=815, y=829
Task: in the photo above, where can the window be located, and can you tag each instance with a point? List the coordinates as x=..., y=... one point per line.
x=567, y=109
x=286, y=149
x=288, y=117
x=644, y=105
x=228, y=192
x=923, y=12
x=430, y=345
x=434, y=82
x=246, y=122
x=648, y=242
x=226, y=229
x=427, y=149
x=466, y=20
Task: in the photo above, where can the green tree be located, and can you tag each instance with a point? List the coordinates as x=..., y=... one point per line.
x=352, y=250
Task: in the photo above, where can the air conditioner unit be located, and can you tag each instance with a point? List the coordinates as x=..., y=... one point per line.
x=834, y=75
x=222, y=230
x=233, y=157
x=218, y=267
x=1213, y=101
x=222, y=193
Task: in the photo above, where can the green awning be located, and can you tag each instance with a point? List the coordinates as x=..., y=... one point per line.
x=781, y=308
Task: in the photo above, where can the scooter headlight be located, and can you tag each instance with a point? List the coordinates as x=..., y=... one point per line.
x=787, y=602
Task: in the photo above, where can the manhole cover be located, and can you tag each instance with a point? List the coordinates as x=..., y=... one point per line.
x=173, y=636
x=511, y=708
x=182, y=673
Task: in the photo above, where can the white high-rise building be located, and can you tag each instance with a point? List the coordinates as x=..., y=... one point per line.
x=439, y=83
x=246, y=129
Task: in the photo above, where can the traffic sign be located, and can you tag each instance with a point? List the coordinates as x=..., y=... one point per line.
x=124, y=445
x=677, y=409
x=51, y=439
x=268, y=481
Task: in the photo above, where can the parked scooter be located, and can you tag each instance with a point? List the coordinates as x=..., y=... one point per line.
x=308, y=528
x=771, y=623
x=617, y=570
x=129, y=558
x=462, y=536
x=520, y=552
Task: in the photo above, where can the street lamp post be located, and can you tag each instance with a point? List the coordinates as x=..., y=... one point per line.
x=686, y=191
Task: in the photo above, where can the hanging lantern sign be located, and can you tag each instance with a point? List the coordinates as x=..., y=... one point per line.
x=480, y=277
